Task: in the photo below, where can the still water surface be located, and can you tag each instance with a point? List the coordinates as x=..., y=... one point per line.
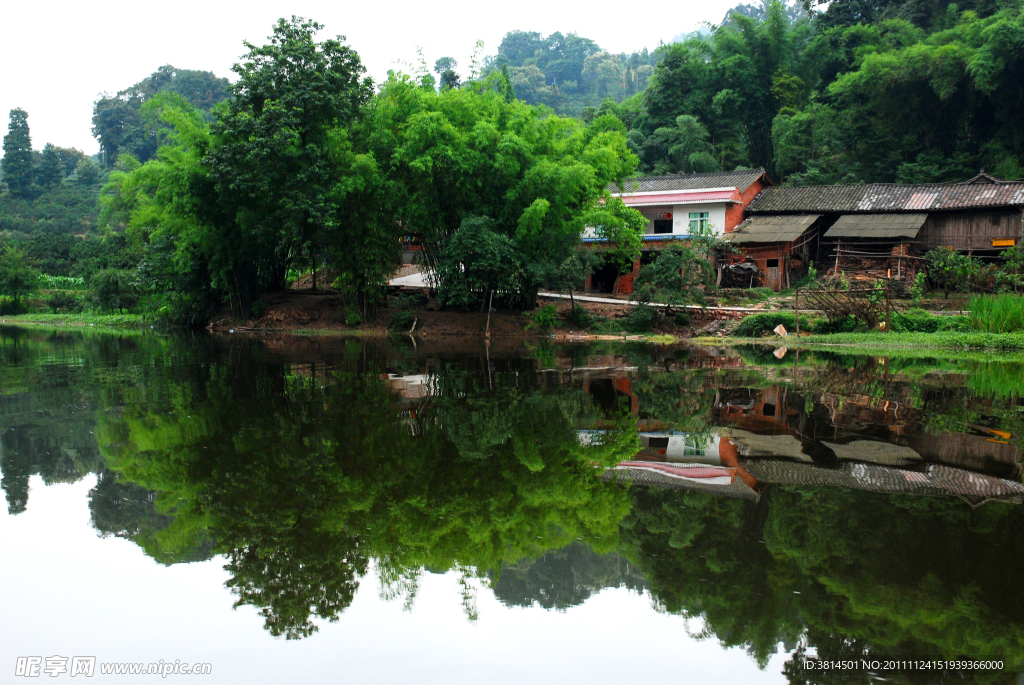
x=336, y=510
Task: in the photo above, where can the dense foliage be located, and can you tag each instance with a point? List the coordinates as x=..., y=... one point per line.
x=891, y=90
x=207, y=193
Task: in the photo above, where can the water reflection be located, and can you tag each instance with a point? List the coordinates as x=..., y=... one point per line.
x=835, y=505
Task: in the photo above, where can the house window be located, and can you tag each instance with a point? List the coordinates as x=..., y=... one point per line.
x=699, y=220
x=663, y=225
x=773, y=264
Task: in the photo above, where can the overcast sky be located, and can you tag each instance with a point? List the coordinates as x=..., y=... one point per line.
x=59, y=56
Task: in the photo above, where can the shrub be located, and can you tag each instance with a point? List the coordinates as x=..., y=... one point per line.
x=400, y=321
x=951, y=271
x=846, y=324
x=1010, y=277
x=759, y=325
x=580, y=317
x=258, y=308
x=683, y=318
x=543, y=318
x=62, y=302
x=352, y=315
x=997, y=313
x=11, y=307
x=641, y=319
x=917, y=289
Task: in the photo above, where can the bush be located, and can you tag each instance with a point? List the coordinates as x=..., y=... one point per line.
x=760, y=325
x=12, y=307
x=951, y=271
x=62, y=302
x=352, y=315
x=641, y=319
x=543, y=319
x=400, y=321
x=997, y=313
x=258, y=308
x=918, y=288
x=580, y=317
x=683, y=318
x=846, y=324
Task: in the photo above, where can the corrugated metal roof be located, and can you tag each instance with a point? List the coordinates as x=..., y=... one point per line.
x=877, y=226
x=771, y=229
x=980, y=192
x=741, y=180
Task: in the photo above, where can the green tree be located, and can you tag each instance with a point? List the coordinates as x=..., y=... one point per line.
x=270, y=168
x=114, y=289
x=17, y=277
x=17, y=164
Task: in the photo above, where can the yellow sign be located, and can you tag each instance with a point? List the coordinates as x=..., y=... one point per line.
x=1003, y=242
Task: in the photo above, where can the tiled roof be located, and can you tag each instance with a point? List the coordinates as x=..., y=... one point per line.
x=979, y=192
x=876, y=226
x=932, y=479
x=771, y=229
x=740, y=180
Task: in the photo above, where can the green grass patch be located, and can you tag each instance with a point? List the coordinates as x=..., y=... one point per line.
x=885, y=341
x=997, y=313
x=78, y=319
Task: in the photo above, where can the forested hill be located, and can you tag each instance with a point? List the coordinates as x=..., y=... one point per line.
x=117, y=120
x=49, y=197
x=864, y=91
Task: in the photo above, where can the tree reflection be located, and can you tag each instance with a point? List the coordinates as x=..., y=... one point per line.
x=301, y=476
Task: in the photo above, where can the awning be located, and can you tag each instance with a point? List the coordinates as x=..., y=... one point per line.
x=771, y=229
x=877, y=226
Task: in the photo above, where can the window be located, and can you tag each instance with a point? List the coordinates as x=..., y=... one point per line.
x=773, y=264
x=663, y=225
x=768, y=410
x=699, y=220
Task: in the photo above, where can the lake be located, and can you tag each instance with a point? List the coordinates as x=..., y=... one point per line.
x=330, y=509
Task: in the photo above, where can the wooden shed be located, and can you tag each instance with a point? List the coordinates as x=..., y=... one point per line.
x=778, y=245
x=879, y=228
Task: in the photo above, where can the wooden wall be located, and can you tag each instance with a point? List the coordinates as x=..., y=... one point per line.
x=969, y=231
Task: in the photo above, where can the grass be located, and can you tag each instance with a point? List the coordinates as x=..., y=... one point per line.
x=78, y=319
x=997, y=313
x=867, y=342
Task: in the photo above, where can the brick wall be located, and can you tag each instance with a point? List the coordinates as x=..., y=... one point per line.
x=734, y=212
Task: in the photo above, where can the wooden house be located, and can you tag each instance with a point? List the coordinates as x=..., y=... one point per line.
x=877, y=229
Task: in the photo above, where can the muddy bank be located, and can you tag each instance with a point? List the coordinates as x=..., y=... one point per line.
x=307, y=311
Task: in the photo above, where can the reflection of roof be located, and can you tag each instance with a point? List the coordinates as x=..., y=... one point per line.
x=981, y=191
x=740, y=180
x=753, y=445
x=697, y=477
x=885, y=453
x=783, y=228
x=932, y=480
x=877, y=226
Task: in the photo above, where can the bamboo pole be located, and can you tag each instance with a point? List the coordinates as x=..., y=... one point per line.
x=796, y=306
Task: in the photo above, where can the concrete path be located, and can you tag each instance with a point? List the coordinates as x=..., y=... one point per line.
x=416, y=280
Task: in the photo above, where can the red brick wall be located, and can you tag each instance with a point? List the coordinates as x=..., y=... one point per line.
x=624, y=283
x=734, y=212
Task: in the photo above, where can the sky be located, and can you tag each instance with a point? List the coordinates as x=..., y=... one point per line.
x=69, y=592
x=66, y=53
